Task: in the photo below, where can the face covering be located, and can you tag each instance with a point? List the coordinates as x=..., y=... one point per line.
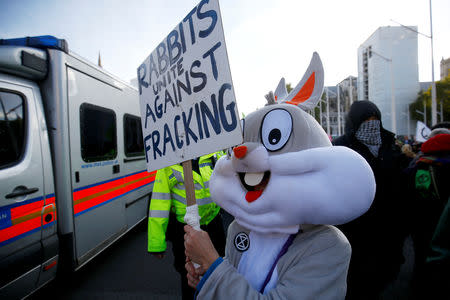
x=369, y=134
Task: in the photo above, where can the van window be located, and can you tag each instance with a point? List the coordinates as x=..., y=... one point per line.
x=12, y=128
x=134, y=145
x=98, y=133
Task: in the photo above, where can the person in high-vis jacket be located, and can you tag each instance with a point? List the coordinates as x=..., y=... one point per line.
x=168, y=207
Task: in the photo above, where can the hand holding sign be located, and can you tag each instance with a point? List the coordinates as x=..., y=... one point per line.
x=200, y=249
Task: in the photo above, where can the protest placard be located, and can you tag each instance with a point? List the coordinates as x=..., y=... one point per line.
x=422, y=132
x=187, y=98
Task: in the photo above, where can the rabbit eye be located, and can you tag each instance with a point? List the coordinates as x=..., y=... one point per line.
x=276, y=129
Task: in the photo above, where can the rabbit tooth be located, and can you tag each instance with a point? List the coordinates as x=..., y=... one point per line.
x=253, y=178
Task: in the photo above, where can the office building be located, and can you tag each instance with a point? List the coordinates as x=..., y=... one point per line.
x=388, y=74
x=348, y=92
x=445, y=67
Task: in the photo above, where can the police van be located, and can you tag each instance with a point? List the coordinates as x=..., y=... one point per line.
x=73, y=173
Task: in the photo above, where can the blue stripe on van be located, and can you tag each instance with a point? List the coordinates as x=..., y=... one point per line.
x=19, y=236
x=106, y=181
x=52, y=223
x=112, y=199
x=23, y=202
x=28, y=201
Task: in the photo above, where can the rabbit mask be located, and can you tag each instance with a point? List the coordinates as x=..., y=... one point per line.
x=286, y=173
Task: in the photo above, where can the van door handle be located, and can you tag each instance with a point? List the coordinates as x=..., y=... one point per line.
x=21, y=191
x=116, y=169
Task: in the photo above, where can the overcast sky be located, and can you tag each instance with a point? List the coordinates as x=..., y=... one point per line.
x=265, y=39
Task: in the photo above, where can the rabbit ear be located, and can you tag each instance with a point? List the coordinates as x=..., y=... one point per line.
x=308, y=91
x=270, y=98
x=280, y=92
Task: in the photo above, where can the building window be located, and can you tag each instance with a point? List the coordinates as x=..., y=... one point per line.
x=12, y=128
x=365, y=88
x=134, y=145
x=98, y=133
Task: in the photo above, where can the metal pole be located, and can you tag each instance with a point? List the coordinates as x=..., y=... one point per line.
x=320, y=112
x=408, y=121
x=425, y=112
x=394, y=115
x=351, y=90
x=433, y=84
x=338, y=111
x=442, y=112
x=328, y=114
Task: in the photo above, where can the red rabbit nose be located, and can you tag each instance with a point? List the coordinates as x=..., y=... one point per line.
x=240, y=151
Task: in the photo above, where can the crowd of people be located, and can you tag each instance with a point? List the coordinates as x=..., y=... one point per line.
x=428, y=192
x=412, y=193
x=411, y=200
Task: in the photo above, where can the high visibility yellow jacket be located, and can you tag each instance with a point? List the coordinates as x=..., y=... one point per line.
x=169, y=195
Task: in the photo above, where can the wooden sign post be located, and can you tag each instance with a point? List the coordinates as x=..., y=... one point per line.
x=189, y=183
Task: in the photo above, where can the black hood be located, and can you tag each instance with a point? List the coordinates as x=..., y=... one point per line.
x=359, y=112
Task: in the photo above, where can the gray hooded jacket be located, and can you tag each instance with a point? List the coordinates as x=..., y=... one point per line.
x=320, y=251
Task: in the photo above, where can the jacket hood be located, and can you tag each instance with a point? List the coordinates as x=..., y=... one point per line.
x=359, y=112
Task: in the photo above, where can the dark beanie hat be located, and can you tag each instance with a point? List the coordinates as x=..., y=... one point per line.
x=359, y=112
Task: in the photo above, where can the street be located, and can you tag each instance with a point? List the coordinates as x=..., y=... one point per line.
x=127, y=271
x=124, y=271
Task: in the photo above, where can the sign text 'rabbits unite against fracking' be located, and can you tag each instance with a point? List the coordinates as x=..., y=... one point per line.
x=187, y=99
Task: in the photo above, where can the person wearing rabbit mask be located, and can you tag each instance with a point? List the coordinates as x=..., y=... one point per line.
x=282, y=185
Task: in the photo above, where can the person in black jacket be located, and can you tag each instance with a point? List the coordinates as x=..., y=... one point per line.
x=376, y=237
